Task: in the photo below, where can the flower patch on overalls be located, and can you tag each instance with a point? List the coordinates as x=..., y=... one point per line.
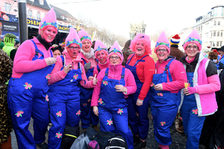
x=195, y=111
x=120, y=111
x=109, y=122
x=105, y=83
x=159, y=94
x=27, y=85
x=59, y=114
x=78, y=113
x=48, y=76
x=100, y=101
x=162, y=123
x=58, y=135
x=47, y=98
x=75, y=76
x=19, y=114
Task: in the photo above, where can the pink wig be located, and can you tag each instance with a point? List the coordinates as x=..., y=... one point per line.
x=83, y=35
x=143, y=38
x=162, y=42
x=115, y=49
x=99, y=46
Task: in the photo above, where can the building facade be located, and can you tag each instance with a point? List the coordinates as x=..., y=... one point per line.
x=137, y=28
x=211, y=28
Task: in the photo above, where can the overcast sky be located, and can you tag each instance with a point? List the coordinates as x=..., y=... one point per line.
x=159, y=15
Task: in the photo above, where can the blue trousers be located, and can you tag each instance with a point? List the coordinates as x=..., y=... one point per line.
x=62, y=113
x=193, y=125
x=22, y=108
x=111, y=121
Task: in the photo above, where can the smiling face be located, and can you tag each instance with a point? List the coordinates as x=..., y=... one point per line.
x=191, y=50
x=48, y=33
x=139, y=48
x=162, y=53
x=115, y=59
x=102, y=56
x=86, y=46
x=73, y=50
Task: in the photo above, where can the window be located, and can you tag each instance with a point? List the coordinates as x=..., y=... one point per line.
x=217, y=43
x=214, y=33
x=218, y=22
x=29, y=14
x=218, y=34
x=221, y=43
x=41, y=2
x=213, y=44
x=8, y=7
x=221, y=34
x=38, y=15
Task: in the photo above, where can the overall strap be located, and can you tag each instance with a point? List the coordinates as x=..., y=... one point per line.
x=167, y=69
x=130, y=59
x=106, y=72
x=141, y=60
x=123, y=73
x=84, y=60
x=36, y=49
x=98, y=68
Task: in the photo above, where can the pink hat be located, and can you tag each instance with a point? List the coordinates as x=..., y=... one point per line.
x=72, y=38
x=99, y=46
x=115, y=49
x=83, y=35
x=49, y=19
x=162, y=42
x=193, y=38
x=146, y=40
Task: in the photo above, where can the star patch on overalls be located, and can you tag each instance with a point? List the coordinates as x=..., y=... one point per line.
x=19, y=114
x=28, y=86
x=59, y=114
x=120, y=111
x=109, y=122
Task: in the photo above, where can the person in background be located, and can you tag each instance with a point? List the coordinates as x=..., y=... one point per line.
x=174, y=50
x=13, y=52
x=108, y=100
x=5, y=119
x=199, y=93
x=57, y=50
x=220, y=64
x=126, y=51
x=143, y=67
x=28, y=85
x=64, y=92
x=87, y=53
x=165, y=91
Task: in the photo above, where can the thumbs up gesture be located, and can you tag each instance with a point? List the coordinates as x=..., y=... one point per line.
x=94, y=80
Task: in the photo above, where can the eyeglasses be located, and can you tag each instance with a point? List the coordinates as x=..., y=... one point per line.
x=190, y=47
x=74, y=48
x=161, y=50
x=114, y=57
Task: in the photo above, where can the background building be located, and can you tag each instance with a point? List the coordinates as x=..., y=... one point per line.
x=137, y=28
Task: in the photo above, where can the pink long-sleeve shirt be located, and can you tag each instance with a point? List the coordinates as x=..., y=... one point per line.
x=23, y=59
x=178, y=75
x=114, y=73
x=57, y=74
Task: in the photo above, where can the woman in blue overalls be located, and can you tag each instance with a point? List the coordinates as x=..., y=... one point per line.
x=87, y=116
x=28, y=84
x=199, y=96
x=166, y=84
x=142, y=66
x=64, y=92
x=108, y=99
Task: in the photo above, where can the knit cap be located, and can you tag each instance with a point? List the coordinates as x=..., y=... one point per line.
x=162, y=42
x=193, y=38
x=83, y=35
x=49, y=19
x=72, y=38
x=175, y=40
